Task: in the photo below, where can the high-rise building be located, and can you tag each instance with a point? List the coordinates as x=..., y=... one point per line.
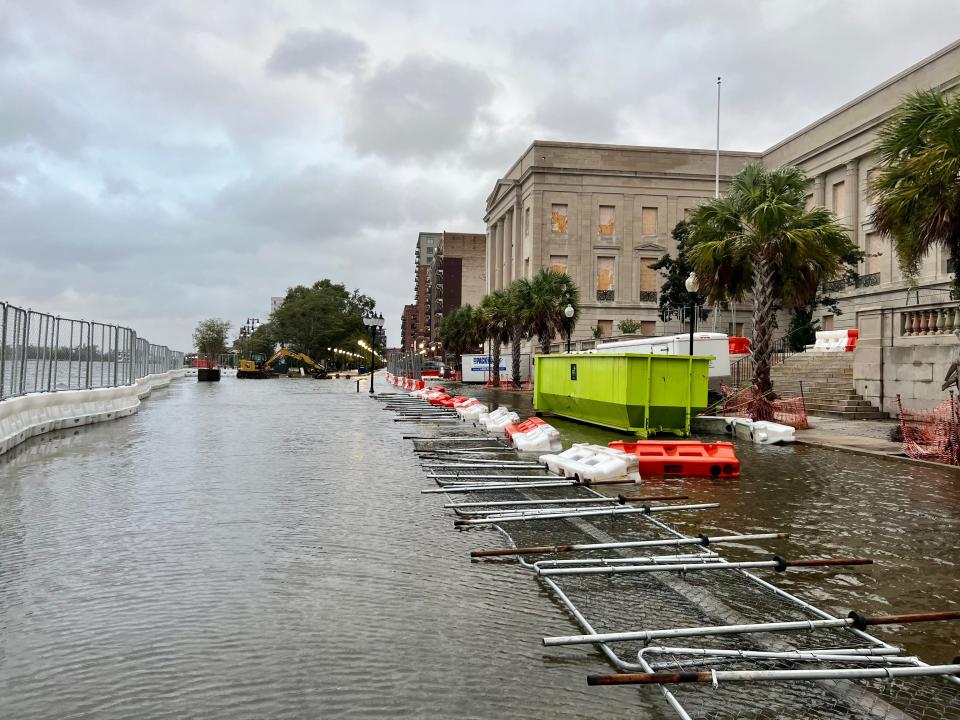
x=457, y=275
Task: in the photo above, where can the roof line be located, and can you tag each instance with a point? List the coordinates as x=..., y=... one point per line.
x=872, y=91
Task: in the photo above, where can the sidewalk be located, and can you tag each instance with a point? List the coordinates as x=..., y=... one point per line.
x=867, y=437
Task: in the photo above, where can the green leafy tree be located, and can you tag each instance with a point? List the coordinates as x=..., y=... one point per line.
x=261, y=340
x=459, y=331
x=760, y=237
x=917, y=186
x=210, y=337
x=326, y=314
x=628, y=326
x=673, y=292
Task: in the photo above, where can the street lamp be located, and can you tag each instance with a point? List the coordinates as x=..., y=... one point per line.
x=374, y=322
x=691, y=284
x=568, y=312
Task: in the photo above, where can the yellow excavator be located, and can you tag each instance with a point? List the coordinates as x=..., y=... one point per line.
x=258, y=367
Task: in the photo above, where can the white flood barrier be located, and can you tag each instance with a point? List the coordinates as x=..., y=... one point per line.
x=593, y=462
x=27, y=416
x=496, y=422
x=762, y=432
x=534, y=435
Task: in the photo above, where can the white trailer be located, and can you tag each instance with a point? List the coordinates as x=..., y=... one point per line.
x=478, y=368
x=704, y=343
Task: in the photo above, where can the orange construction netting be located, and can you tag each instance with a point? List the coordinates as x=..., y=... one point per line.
x=932, y=434
x=747, y=402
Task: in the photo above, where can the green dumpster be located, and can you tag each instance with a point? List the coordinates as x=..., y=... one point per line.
x=641, y=394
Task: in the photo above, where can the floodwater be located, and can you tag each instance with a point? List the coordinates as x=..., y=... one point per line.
x=260, y=549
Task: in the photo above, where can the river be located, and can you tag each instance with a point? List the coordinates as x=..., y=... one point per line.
x=260, y=549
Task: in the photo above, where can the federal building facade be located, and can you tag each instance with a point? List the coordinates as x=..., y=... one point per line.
x=603, y=213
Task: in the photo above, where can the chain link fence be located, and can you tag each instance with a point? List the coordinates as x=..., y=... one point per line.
x=40, y=352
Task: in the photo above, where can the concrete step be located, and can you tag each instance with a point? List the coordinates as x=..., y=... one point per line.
x=852, y=415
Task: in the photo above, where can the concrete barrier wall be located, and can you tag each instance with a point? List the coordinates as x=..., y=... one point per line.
x=27, y=416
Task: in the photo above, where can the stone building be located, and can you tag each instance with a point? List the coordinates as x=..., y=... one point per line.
x=457, y=275
x=603, y=214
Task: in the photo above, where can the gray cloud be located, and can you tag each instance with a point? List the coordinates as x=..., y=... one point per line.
x=314, y=52
x=419, y=107
x=163, y=161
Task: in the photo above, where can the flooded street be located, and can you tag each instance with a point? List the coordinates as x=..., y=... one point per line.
x=255, y=549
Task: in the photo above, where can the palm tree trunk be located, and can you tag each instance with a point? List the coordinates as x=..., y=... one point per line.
x=763, y=322
x=495, y=357
x=515, y=349
x=545, y=344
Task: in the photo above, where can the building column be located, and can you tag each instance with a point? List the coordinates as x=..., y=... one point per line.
x=508, y=248
x=518, y=237
x=851, y=186
x=498, y=257
x=488, y=259
x=819, y=191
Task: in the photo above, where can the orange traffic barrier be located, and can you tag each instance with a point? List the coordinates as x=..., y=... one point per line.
x=682, y=457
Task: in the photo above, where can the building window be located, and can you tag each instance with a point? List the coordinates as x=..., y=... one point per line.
x=827, y=322
x=872, y=251
x=558, y=263
x=648, y=280
x=606, y=328
x=735, y=331
x=607, y=227
x=526, y=221
x=648, y=328
x=949, y=266
x=648, y=221
x=605, y=278
x=558, y=219
x=839, y=200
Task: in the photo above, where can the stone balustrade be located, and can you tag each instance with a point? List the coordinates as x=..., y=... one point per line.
x=926, y=320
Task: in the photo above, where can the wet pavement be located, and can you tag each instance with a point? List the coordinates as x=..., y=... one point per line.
x=256, y=549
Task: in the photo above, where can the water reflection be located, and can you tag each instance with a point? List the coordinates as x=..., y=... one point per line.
x=835, y=504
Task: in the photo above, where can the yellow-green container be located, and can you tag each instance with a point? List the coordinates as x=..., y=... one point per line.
x=641, y=394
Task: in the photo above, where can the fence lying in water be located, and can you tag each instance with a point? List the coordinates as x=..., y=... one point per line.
x=40, y=352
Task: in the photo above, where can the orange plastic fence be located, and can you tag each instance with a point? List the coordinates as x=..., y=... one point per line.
x=747, y=402
x=932, y=434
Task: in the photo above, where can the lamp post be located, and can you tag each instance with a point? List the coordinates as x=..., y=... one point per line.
x=568, y=312
x=691, y=284
x=374, y=322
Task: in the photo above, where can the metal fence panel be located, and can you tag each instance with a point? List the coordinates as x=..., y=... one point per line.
x=40, y=352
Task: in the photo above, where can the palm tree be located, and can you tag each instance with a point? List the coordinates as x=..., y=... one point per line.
x=459, y=332
x=520, y=292
x=760, y=237
x=550, y=293
x=495, y=317
x=917, y=187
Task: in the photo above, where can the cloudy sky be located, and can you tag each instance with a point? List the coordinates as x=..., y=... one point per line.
x=162, y=161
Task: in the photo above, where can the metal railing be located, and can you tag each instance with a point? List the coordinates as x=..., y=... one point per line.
x=40, y=352
x=861, y=281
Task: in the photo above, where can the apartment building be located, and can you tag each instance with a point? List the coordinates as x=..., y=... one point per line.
x=457, y=275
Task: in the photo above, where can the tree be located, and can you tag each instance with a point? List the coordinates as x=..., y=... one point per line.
x=760, y=237
x=210, y=337
x=495, y=318
x=521, y=294
x=459, y=331
x=261, y=340
x=550, y=293
x=326, y=314
x=673, y=292
x=917, y=186
x=628, y=326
